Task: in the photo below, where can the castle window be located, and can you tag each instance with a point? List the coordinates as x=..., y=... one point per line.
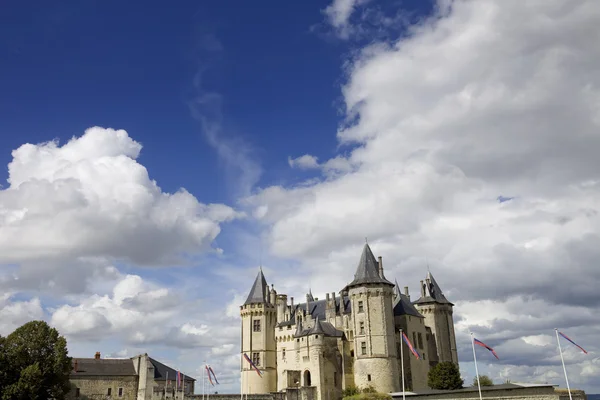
x=360, y=306
x=120, y=392
x=77, y=394
x=283, y=354
x=256, y=359
x=362, y=328
x=414, y=339
x=369, y=378
x=351, y=353
x=424, y=358
x=335, y=379
x=256, y=325
x=363, y=348
x=420, y=341
x=109, y=392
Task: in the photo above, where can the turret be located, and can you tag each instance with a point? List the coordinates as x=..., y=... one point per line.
x=371, y=296
x=259, y=317
x=438, y=312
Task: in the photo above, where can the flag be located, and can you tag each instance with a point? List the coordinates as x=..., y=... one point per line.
x=208, y=373
x=252, y=364
x=410, y=346
x=178, y=378
x=480, y=343
x=566, y=337
x=213, y=374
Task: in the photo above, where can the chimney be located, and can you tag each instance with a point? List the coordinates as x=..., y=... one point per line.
x=292, y=301
x=381, y=267
x=406, y=292
x=75, y=366
x=97, y=355
x=422, y=289
x=427, y=286
x=327, y=297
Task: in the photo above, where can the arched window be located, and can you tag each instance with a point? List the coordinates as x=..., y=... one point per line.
x=307, y=378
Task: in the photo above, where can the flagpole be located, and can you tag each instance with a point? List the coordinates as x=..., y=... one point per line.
x=241, y=377
x=166, y=383
x=203, y=377
x=563, y=363
x=208, y=391
x=402, y=363
x=476, y=370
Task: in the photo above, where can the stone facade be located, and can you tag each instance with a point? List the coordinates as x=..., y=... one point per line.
x=137, y=378
x=352, y=339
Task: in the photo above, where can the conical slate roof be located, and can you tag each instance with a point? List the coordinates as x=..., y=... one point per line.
x=402, y=304
x=433, y=292
x=368, y=270
x=318, y=328
x=258, y=293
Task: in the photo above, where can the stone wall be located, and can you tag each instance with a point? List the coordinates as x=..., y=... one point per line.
x=93, y=388
x=498, y=392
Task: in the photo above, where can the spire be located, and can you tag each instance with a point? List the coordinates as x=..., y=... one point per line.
x=318, y=328
x=259, y=291
x=433, y=292
x=368, y=269
x=309, y=296
x=397, y=293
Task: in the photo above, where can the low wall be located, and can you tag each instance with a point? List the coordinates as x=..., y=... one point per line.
x=497, y=392
x=267, y=396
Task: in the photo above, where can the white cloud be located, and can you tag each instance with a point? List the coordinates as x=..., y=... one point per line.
x=304, y=162
x=485, y=99
x=339, y=13
x=13, y=314
x=90, y=197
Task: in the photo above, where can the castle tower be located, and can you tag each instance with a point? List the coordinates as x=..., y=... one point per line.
x=259, y=317
x=437, y=311
x=371, y=297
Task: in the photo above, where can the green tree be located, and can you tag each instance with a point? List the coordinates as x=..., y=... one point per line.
x=484, y=380
x=445, y=376
x=34, y=363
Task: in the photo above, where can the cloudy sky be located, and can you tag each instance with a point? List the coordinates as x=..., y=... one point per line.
x=156, y=156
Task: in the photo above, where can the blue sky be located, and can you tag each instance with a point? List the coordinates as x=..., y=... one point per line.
x=430, y=127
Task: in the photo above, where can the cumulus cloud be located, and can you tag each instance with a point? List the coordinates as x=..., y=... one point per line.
x=14, y=313
x=339, y=12
x=71, y=210
x=474, y=146
x=304, y=162
x=90, y=197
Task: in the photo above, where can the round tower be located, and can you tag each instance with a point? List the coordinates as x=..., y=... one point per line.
x=371, y=297
x=438, y=313
x=259, y=317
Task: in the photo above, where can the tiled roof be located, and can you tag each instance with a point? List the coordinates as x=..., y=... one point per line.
x=368, y=270
x=102, y=367
x=323, y=328
x=402, y=304
x=258, y=293
x=163, y=372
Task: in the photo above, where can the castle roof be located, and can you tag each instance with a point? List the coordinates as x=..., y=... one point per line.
x=320, y=328
x=102, y=367
x=163, y=372
x=258, y=293
x=433, y=292
x=316, y=309
x=368, y=270
x=402, y=304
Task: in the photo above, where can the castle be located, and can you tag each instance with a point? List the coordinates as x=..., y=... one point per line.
x=323, y=346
